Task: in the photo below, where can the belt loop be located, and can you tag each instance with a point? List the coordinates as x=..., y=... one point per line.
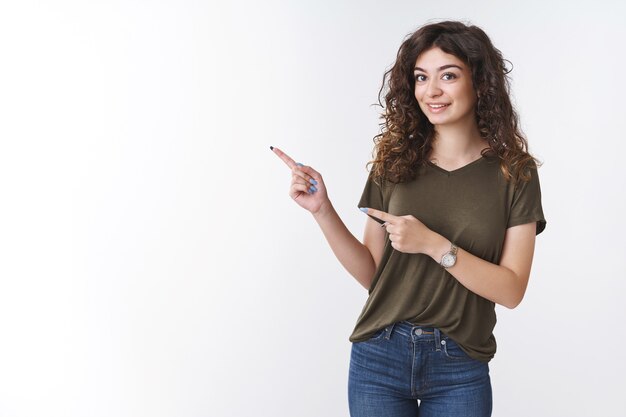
x=437, y=339
x=388, y=331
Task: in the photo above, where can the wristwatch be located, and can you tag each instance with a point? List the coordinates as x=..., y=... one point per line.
x=449, y=258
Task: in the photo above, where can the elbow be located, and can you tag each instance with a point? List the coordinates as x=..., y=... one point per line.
x=366, y=283
x=517, y=291
x=367, y=277
x=513, y=302
x=370, y=271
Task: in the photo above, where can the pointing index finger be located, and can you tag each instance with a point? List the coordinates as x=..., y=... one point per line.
x=286, y=159
x=379, y=214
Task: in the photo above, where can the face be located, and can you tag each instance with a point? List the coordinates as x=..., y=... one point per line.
x=443, y=79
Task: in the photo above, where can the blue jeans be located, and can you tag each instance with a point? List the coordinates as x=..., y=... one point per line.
x=404, y=363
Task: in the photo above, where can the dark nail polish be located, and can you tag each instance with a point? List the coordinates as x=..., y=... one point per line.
x=271, y=148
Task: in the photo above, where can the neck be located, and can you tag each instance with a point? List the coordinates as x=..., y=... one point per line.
x=457, y=142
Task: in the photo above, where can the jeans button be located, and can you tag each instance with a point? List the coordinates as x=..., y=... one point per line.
x=418, y=332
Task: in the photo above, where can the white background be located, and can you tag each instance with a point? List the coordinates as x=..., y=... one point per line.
x=152, y=263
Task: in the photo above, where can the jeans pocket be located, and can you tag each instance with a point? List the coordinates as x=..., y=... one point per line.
x=453, y=351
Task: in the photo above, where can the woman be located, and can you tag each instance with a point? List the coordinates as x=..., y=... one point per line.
x=458, y=197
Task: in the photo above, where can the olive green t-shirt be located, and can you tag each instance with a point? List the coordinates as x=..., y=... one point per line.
x=471, y=206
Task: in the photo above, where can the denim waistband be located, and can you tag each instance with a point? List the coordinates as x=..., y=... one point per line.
x=415, y=331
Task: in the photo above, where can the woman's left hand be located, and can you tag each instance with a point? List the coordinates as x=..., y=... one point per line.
x=406, y=233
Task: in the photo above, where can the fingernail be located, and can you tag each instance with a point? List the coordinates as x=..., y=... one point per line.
x=298, y=163
x=363, y=209
x=271, y=147
x=313, y=181
x=312, y=188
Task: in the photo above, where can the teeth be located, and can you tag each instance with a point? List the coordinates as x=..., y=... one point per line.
x=437, y=106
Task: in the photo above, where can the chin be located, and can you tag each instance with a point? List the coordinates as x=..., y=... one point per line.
x=437, y=122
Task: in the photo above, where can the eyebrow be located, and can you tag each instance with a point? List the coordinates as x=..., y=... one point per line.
x=441, y=68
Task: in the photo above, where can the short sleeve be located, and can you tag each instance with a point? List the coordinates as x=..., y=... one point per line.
x=526, y=205
x=373, y=196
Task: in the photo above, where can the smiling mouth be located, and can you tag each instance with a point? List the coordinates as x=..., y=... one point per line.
x=437, y=108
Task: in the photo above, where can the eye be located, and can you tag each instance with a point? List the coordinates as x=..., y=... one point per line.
x=417, y=77
x=450, y=74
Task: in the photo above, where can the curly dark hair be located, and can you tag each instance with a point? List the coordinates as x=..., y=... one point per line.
x=406, y=133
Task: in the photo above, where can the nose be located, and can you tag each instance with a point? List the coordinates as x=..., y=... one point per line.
x=432, y=89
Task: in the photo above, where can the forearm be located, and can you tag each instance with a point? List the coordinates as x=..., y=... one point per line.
x=351, y=253
x=491, y=281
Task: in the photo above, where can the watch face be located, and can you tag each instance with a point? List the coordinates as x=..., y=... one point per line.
x=448, y=260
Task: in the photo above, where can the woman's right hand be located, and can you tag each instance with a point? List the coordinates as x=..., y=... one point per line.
x=307, y=186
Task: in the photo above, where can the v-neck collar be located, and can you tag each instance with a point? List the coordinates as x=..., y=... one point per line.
x=458, y=170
